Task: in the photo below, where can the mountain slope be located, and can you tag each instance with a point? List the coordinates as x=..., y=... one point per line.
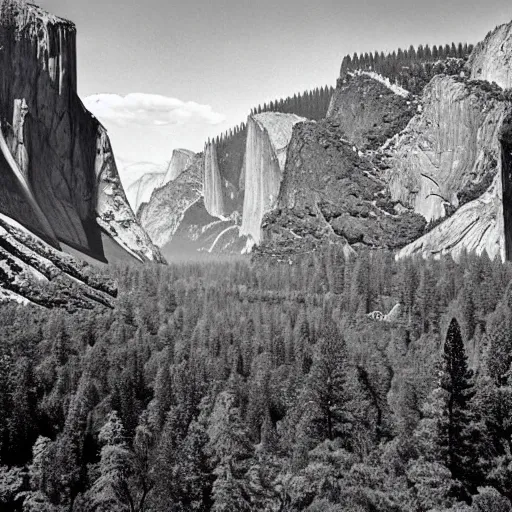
x=163, y=213
x=331, y=192
x=140, y=191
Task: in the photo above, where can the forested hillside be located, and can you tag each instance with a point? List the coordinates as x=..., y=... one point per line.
x=412, y=68
x=236, y=387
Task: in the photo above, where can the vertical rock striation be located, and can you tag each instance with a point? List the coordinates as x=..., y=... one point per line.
x=267, y=141
x=450, y=152
x=212, y=182
x=61, y=151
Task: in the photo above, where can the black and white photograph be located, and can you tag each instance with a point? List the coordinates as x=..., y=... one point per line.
x=255, y=256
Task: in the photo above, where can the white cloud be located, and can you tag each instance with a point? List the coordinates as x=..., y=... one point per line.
x=150, y=109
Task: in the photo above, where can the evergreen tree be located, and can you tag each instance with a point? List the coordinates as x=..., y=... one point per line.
x=457, y=382
x=327, y=384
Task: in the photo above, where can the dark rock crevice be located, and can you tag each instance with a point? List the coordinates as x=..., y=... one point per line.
x=506, y=175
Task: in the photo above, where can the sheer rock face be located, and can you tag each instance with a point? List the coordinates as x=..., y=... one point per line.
x=477, y=226
x=265, y=157
x=162, y=215
x=330, y=191
x=140, y=191
x=483, y=224
x=61, y=153
x=450, y=150
x=368, y=112
x=212, y=181
x=491, y=60
x=180, y=161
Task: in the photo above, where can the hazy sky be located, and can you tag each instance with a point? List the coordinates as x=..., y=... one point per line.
x=210, y=62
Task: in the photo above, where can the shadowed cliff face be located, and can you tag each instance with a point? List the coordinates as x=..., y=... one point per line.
x=506, y=164
x=491, y=59
x=17, y=200
x=267, y=142
x=448, y=150
x=60, y=149
x=368, y=112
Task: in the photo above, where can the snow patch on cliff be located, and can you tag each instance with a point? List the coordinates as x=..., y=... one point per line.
x=399, y=91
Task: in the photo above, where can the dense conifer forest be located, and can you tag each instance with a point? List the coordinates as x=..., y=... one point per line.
x=412, y=68
x=231, y=386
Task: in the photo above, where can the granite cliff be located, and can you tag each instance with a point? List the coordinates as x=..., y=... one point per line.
x=450, y=151
x=55, y=155
x=212, y=181
x=265, y=157
x=332, y=193
x=140, y=191
x=370, y=111
x=492, y=58
x=163, y=213
x=180, y=161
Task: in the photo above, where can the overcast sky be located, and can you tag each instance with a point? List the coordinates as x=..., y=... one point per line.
x=204, y=64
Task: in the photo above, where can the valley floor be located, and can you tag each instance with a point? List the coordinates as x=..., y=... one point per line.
x=232, y=386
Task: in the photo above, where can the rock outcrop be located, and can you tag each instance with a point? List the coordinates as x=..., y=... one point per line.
x=140, y=191
x=63, y=162
x=491, y=59
x=368, y=111
x=267, y=142
x=330, y=191
x=450, y=153
x=34, y=272
x=477, y=226
x=212, y=182
x=450, y=165
x=162, y=214
x=180, y=161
